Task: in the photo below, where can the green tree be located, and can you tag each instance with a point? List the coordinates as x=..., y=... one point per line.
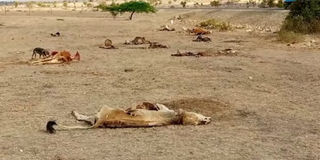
x=304, y=17
x=132, y=7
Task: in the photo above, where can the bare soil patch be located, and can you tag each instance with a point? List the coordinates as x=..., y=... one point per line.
x=264, y=101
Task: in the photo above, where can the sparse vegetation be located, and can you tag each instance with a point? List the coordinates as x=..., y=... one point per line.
x=290, y=37
x=263, y=4
x=41, y=4
x=215, y=3
x=89, y=4
x=271, y=3
x=65, y=4
x=215, y=24
x=54, y=4
x=304, y=17
x=29, y=5
x=132, y=6
x=252, y=3
x=154, y=2
x=183, y=4
x=16, y=4
x=280, y=4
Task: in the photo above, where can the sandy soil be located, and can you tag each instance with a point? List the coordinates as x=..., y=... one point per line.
x=264, y=102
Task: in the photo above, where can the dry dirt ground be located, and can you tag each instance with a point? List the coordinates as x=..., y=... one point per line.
x=264, y=102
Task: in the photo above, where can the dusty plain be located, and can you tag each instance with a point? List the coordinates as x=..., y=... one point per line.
x=264, y=102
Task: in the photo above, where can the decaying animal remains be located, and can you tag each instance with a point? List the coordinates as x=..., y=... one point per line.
x=197, y=54
x=57, y=58
x=42, y=52
x=137, y=41
x=142, y=40
x=197, y=31
x=156, y=45
x=201, y=38
x=107, y=45
x=166, y=28
x=143, y=115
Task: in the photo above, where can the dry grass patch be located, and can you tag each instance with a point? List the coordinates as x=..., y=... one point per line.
x=215, y=24
x=290, y=37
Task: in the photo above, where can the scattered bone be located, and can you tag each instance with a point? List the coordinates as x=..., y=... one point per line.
x=201, y=38
x=137, y=41
x=197, y=54
x=107, y=45
x=58, y=58
x=197, y=31
x=166, y=28
x=156, y=45
x=226, y=52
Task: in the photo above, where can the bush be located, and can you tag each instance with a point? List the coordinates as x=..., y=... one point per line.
x=183, y=3
x=267, y=3
x=304, y=17
x=280, y=4
x=215, y=3
x=290, y=37
x=40, y=4
x=65, y=4
x=251, y=3
x=263, y=4
x=271, y=3
x=214, y=24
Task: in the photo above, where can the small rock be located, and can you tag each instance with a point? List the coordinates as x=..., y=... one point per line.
x=313, y=41
x=251, y=78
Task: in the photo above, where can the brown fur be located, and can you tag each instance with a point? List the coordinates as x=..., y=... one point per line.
x=145, y=115
x=57, y=58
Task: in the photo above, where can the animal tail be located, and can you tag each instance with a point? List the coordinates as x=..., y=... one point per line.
x=51, y=129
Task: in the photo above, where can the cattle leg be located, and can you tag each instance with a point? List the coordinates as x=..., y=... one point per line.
x=88, y=119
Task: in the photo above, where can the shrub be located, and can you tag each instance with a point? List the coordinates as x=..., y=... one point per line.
x=40, y=4
x=214, y=24
x=65, y=4
x=263, y=4
x=304, y=17
x=271, y=3
x=132, y=6
x=215, y=3
x=280, y=4
x=183, y=3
